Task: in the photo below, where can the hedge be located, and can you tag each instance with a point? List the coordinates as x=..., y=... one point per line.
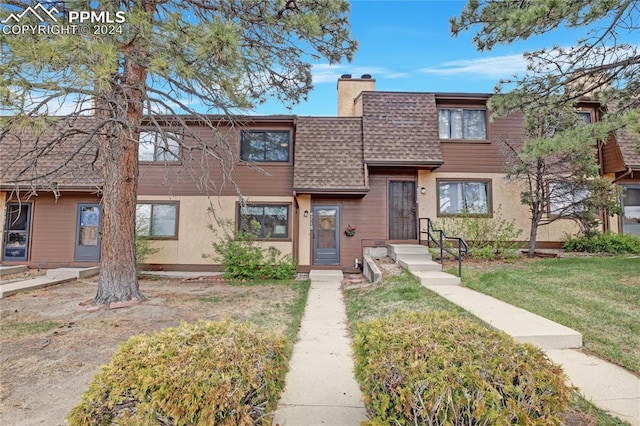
x=439, y=369
x=205, y=373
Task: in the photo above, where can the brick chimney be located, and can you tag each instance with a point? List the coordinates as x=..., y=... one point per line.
x=349, y=90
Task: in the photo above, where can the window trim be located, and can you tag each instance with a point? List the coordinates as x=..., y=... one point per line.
x=177, y=220
x=289, y=148
x=487, y=181
x=178, y=137
x=288, y=238
x=467, y=108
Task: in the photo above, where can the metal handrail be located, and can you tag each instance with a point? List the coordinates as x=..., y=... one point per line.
x=462, y=245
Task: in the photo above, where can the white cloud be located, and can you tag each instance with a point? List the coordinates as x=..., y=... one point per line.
x=326, y=73
x=496, y=67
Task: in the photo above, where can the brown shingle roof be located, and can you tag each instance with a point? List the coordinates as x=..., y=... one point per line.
x=328, y=155
x=629, y=147
x=62, y=157
x=401, y=128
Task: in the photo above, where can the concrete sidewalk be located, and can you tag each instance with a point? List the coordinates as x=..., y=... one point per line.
x=320, y=385
x=608, y=386
x=53, y=276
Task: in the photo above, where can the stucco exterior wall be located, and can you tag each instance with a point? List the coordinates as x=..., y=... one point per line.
x=195, y=237
x=505, y=196
x=304, y=229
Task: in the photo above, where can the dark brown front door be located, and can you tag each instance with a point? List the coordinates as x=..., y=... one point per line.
x=402, y=210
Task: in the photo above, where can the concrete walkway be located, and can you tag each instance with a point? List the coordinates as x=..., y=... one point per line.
x=53, y=276
x=320, y=385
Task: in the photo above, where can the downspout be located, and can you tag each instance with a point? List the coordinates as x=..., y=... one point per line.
x=624, y=175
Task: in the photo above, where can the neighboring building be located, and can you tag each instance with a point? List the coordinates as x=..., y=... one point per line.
x=387, y=160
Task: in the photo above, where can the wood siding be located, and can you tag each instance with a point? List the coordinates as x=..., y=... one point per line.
x=273, y=179
x=612, y=161
x=369, y=214
x=482, y=156
x=53, y=229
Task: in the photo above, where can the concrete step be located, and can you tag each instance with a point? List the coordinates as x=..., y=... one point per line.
x=523, y=325
x=436, y=278
x=12, y=269
x=325, y=275
x=411, y=257
x=399, y=249
x=419, y=265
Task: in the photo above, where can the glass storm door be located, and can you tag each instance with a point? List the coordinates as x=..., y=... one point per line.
x=88, y=233
x=326, y=235
x=17, y=231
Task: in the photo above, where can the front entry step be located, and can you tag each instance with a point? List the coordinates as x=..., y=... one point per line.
x=419, y=265
x=325, y=275
x=399, y=250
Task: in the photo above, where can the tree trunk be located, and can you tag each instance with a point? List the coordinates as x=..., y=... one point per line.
x=118, y=273
x=122, y=109
x=533, y=234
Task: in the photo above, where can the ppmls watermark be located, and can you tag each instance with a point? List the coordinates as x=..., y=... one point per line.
x=77, y=22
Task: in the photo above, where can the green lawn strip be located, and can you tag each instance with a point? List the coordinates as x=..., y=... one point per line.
x=404, y=292
x=597, y=296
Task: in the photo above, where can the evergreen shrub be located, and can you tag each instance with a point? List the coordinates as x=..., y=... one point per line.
x=203, y=373
x=439, y=369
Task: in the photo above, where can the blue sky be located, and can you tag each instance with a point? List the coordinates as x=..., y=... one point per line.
x=407, y=46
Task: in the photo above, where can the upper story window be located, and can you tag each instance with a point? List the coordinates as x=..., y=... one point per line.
x=458, y=123
x=267, y=221
x=585, y=116
x=265, y=146
x=460, y=197
x=157, y=146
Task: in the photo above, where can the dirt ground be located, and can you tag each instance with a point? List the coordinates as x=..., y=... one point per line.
x=49, y=350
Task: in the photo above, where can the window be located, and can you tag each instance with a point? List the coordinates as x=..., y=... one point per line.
x=268, y=221
x=464, y=197
x=585, y=116
x=265, y=147
x=157, y=220
x=457, y=123
x=565, y=198
x=631, y=210
x=157, y=146
x=16, y=232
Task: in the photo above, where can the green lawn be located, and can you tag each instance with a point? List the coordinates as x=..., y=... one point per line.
x=597, y=296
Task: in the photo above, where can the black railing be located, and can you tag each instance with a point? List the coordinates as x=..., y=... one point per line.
x=457, y=249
